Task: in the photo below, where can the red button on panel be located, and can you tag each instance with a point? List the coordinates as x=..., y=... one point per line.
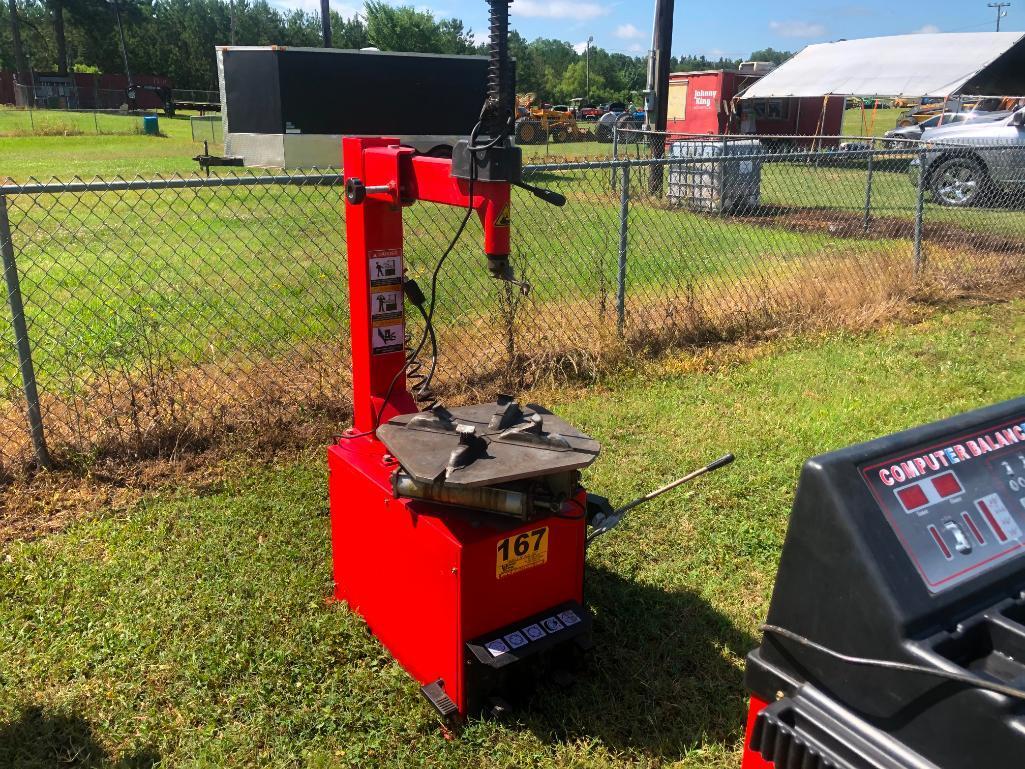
x=912, y=497
x=975, y=529
x=940, y=543
x=947, y=485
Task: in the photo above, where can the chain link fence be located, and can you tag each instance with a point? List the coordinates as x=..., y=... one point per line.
x=17, y=121
x=149, y=316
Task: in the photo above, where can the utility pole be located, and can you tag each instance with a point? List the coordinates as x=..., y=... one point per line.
x=19, y=52
x=124, y=56
x=587, y=69
x=231, y=22
x=325, y=21
x=656, y=96
x=1000, y=11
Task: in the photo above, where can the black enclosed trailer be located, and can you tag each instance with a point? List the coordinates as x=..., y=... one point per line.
x=290, y=107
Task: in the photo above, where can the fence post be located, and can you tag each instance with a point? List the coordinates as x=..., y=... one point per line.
x=31, y=121
x=868, y=192
x=624, y=215
x=615, y=151
x=920, y=214
x=21, y=341
x=96, y=123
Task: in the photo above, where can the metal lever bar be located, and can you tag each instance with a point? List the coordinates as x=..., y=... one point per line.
x=555, y=198
x=605, y=524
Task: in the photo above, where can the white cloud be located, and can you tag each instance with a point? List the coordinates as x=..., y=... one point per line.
x=797, y=28
x=628, y=32
x=580, y=47
x=928, y=29
x=560, y=9
x=637, y=48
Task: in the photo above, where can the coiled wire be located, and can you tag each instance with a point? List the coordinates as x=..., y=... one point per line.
x=417, y=380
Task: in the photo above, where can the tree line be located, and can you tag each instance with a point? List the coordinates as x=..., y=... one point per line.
x=176, y=39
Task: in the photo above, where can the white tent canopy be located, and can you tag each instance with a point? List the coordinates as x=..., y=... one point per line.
x=902, y=65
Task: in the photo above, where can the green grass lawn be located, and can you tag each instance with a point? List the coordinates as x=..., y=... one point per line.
x=858, y=123
x=64, y=124
x=130, y=153
x=108, y=155
x=195, y=629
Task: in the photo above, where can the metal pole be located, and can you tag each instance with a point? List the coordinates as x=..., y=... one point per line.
x=615, y=152
x=624, y=215
x=325, y=22
x=721, y=181
x=919, y=214
x=124, y=45
x=868, y=193
x=1000, y=11
x=587, y=70
x=28, y=375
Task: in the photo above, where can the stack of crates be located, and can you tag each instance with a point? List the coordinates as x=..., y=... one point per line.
x=719, y=176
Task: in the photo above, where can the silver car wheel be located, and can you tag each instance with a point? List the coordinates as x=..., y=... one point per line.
x=958, y=182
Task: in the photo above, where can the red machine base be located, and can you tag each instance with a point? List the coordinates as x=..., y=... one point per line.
x=459, y=598
x=752, y=759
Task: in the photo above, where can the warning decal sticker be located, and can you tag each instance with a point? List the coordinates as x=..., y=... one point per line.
x=387, y=338
x=504, y=219
x=386, y=305
x=385, y=268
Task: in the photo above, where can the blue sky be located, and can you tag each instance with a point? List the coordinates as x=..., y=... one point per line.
x=715, y=28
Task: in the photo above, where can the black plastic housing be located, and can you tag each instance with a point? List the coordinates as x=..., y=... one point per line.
x=503, y=163
x=847, y=582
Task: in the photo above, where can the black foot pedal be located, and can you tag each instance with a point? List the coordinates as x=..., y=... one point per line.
x=498, y=708
x=435, y=694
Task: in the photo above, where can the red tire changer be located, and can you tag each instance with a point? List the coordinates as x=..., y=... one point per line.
x=459, y=535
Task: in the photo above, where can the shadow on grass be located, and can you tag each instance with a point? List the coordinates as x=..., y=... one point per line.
x=40, y=740
x=665, y=674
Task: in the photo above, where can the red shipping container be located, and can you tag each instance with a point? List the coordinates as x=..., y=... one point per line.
x=703, y=103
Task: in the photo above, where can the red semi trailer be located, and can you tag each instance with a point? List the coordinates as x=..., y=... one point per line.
x=706, y=103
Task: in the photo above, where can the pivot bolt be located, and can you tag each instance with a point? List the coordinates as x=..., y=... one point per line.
x=355, y=190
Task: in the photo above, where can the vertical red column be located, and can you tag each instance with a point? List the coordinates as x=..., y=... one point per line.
x=376, y=312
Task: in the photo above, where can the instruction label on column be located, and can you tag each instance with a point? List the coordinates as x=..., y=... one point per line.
x=388, y=338
x=388, y=332
x=385, y=267
x=386, y=305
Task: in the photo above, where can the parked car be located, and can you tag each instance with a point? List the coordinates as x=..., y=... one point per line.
x=963, y=163
x=621, y=120
x=590, y=112
x=899, y=137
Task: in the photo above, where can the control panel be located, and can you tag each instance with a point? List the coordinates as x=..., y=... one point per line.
x=957, y=506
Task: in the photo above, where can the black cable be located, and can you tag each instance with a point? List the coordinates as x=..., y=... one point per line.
x=428, y=331
x=423, y=390
x=967, y=679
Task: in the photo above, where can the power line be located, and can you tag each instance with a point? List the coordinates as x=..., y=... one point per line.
x=1000, y=11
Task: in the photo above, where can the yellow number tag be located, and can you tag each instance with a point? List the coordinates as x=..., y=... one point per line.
x=523, y=551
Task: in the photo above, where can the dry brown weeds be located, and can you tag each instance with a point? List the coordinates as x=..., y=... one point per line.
x=124, y=434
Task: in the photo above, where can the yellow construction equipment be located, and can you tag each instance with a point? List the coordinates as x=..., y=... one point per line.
x=537, y=125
